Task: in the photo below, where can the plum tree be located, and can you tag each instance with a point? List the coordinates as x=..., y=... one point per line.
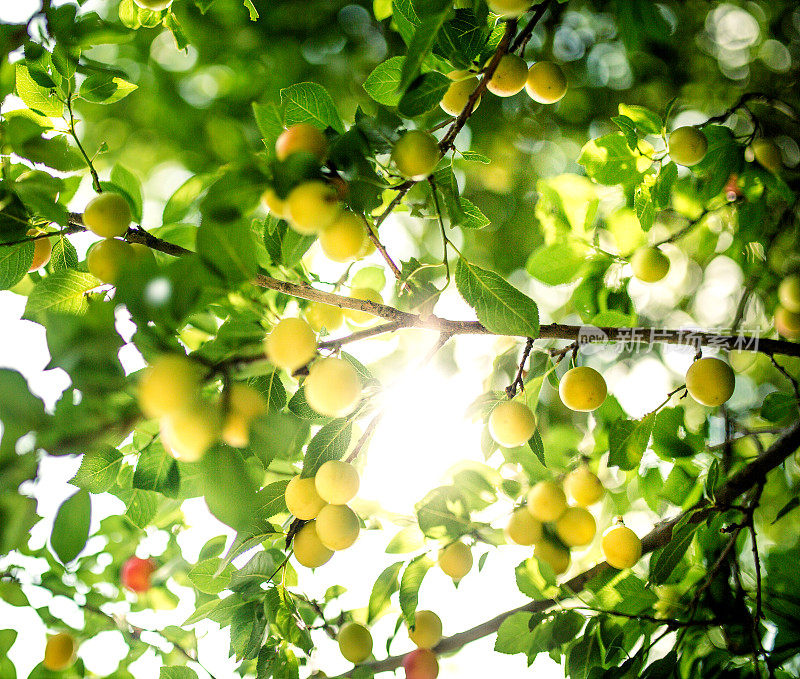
x=168, y=384
x=511, y=423
x=108, y=215
x=274, y=203
x=687, y=145
x=415, y=154
x=582, y=389
x=192, y=430
x=345, y=239
x=522, y=528
x=455, y=560
x=333, y=387
x=355, y=642
x=421, y=663
x=787, y=323
x=649, y=264
x=154, y=5
x=546, y=501
x=291, y=344
x=106, y=258
x=427, y=629
x=767, y=154
x=59, y=652
x=326, y=316
x=136, y=573
x=302, y=498
x=312, y=206
x=583, y=486
x=358, y=317
x=337, y=527
x=621, y=546
x=509, y=77
x=456, y=96
x=546, y=82
x=510, y=8
x=789, y=293
x=301, y=137
x=576, y=527
x=553, y=554
x=337, y=482
x=42, y=249
x=244, y=404
x=710, y=381
x=308, y=548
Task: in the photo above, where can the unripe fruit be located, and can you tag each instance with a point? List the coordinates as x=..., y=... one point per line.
x=457, y=95
x=427, y=630
x=337, y=482
x=337, y=527
x=582, y=389
x=326, y=316
x=106, y=258
x=42, y=249
x=244, y=405
x=583, y=486
x=649, y=265
x=415, y=154
x=333, y=387
x=308, y=549
x=511, y=423
x=787, y=323
x=421, y=664
x=59, y=652
x=135, y=574
x=291, y=344
x=767, y=154
x=546, y=82
x=274, y=203
x=358, y=317
x=153, y=5
x=621, y=547
x=789, y=293
x=509, y=77
x=522, y=528
x=710, y=381
x=142, y=254
x=188, y=433
x=168, y=384
x=301, y=137
x=576, y=527
x=687, y=146
x=510, y=8
x=302, y=498
x=108, y=215
x=546, y=501
x=345, y=239
x=553, y=555
x=355, y=642
x=455, y=560
x=312, y=206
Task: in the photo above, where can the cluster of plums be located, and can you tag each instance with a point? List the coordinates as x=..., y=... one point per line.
x=787, y=314
x=321, y=501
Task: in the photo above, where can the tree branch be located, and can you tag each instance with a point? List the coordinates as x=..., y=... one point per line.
x=748, y=477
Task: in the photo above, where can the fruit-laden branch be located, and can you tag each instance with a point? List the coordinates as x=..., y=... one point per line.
x=398, y=319
x=750, y=476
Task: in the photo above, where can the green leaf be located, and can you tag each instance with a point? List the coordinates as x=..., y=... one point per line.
x=471, y=217
x=180, y=203
x=98, y=470
x=102, y=88
x=627, y=441
x=664, y=560
x=157, y=470
x=609, y=160
x=644, y=206
x=424, y=94
x=62, y=291
x=408, y=539
x=271, y=388
x=228, y=249
x=555, y=264
x=64, y=255
x=500, y=306
x=536, y=444
x=382, y=84
x=15, y=260
x=420, y=47
x=628, y=128
x=462, y=38
x=177, y=673
x=71, y=527
x=788, y=507
x=270, y=499
x=410, y=583
x=584, y=655
x=514, y=635
x=310, y=103
x=130, y=184
x=385, y=585
x=533, y=581
x=662, y=191
x=41, y=99
x=210, y=576
x=329, y=443
x=251, y=9
x=644, y=119
x=443, y=513
x=778, y=406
